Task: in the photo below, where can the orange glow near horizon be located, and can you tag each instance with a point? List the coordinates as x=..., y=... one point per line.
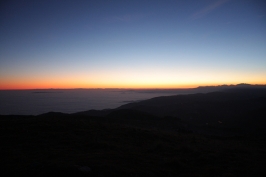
x=20, y=86
x=150, y=79
x=74, y=85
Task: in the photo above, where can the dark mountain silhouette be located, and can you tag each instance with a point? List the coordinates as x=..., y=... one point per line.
x=220, y=133
x=229, y=111
x=233, y=101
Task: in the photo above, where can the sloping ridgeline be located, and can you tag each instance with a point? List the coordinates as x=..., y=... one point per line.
x=243, y=110
x=230, y=111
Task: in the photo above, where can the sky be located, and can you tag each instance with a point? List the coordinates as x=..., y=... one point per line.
x=131, y=43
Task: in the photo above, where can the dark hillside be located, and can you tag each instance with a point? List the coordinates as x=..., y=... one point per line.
x=213, y=134
x=233, y=108
x=67, y=145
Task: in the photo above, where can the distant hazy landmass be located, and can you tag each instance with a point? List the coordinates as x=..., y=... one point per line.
x=34, y=102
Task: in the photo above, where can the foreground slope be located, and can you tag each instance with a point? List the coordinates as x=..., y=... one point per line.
x=65, y=145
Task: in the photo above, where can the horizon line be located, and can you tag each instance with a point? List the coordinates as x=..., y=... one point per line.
x=132, y=88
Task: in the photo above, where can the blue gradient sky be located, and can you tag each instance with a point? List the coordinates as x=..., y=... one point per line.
x=132, y=44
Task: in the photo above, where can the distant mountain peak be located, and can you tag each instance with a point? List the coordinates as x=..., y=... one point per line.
x=243, y=84
x=231, y=85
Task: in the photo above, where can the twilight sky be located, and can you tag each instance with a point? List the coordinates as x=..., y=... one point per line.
x=131, y=43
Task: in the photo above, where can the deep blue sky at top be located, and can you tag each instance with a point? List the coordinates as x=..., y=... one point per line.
x=127, y=43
